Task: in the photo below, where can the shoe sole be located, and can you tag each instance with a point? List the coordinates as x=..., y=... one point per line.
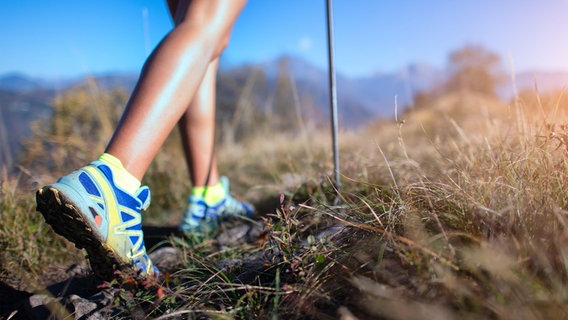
x=66, y=220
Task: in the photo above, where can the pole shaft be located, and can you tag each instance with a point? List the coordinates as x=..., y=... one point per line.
x=333, y=92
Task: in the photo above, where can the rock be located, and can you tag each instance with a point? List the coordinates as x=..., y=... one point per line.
x=332, y=233
x=239, y=234
x=97, y=306
x=84, y=308
x=254, y=268
x=166, y=259
x=43, y=305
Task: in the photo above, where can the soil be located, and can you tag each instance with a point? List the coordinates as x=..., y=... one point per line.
x=76, y=288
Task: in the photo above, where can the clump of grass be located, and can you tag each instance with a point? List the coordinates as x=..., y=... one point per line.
x=282, y=275
x=27, y=245
x=480, y=231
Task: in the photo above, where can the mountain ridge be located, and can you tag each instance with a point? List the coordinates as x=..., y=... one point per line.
x=24, y=99
x=376, y=94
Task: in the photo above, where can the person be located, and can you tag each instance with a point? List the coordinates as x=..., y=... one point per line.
x=98, y=207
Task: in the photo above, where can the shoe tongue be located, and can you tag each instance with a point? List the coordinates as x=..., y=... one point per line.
x=143, y=194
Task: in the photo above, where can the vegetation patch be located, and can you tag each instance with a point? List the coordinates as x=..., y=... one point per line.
x=455, y=209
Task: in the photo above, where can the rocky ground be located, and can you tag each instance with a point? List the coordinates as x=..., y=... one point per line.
x=84, y=297
x=81, y=293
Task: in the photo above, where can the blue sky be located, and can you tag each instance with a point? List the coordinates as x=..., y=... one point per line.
x=67, y=38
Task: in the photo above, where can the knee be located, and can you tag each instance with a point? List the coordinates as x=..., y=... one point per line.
x=222, y=44
x=214, y=40
x=212, y=20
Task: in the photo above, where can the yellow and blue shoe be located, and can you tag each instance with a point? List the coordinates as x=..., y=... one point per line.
x=90, y=210
x=208, y=207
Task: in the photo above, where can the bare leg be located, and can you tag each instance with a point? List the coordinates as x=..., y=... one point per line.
x=197, y=128
x=171, y=78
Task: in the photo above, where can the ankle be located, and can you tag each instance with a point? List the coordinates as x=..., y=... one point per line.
x=122, y=178
x=211, y=194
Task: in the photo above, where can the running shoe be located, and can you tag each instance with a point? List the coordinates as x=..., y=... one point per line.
x=90, y=210
x=202, y=217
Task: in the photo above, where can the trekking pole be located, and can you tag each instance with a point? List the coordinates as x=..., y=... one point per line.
x=332, y=93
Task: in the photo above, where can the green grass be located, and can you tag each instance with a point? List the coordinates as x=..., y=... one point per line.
x=455, y=210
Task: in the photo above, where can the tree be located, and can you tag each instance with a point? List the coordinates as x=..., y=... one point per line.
x=474, y=68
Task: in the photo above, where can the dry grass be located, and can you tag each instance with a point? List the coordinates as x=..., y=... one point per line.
x=455, y=210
